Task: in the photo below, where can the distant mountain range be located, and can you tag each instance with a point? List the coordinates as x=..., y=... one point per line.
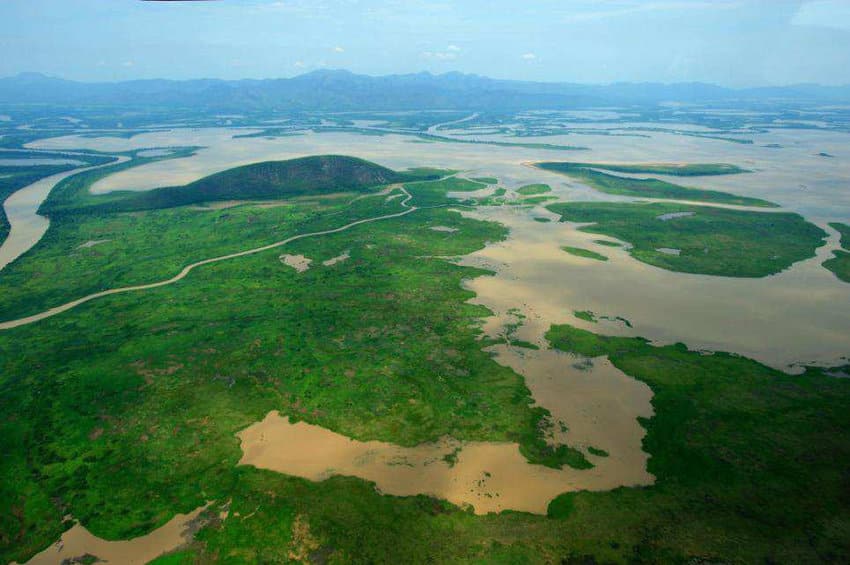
x=342, y=90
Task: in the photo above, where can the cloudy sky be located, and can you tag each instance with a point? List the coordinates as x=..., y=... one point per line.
x=729, y=42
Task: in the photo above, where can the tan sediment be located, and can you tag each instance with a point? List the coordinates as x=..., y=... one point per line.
x=714, y=313
x=78, y=541
x=297, y=262
x=26, y=227
x=443, y=229
x=489, y=476
x=339, y=258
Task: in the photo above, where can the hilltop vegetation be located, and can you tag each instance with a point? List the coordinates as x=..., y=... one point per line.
x=650, y=187
x=269, y=180
x=701, y=239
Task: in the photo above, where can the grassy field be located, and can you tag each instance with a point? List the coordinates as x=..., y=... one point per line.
x=738, y=450
x=840, y=262
x=650, y=187
x=711, y=241
x=586, y=253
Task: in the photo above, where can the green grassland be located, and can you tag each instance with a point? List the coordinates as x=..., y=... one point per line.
x=749, y=460
x=586, y=253
x=840, y=262
x=712, y=241
x=123, y=411
x=648, y=187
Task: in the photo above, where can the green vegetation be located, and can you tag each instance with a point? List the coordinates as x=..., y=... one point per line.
x=270, y=180
x=123, y=411
x=533, y=189
x=581, y=252
x=486, y=180
x=541, y=219
x=648, y=187
x=73, y=193
x=840, y=262
x=586, y=315
x=598, y=452
x=534, y=200
x=436, y=193
x=674, y=169
x=736, y=448
x=711, y=241
x=14, y=178
x=607, y=242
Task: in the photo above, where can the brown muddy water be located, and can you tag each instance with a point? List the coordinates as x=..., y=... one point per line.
x=78, y=542
x=490, y=477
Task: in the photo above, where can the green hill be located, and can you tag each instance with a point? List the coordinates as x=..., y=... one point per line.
x=269, y=180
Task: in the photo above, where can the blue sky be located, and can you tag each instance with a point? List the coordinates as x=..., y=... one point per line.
x=729, y=42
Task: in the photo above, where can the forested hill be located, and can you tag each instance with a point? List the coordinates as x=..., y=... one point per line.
x=268, y=180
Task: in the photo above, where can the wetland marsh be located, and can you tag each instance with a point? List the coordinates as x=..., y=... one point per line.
x=424, y=361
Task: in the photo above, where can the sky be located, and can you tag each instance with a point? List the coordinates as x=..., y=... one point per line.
x=735, y=43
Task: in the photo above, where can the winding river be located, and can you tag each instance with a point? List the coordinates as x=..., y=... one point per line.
x=26, y=226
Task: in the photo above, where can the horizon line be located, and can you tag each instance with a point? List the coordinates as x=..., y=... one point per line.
x=422, y=72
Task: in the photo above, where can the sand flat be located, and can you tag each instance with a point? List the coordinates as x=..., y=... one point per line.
x=298, y=262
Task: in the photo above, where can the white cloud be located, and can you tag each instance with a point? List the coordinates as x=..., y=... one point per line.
x=529, y=56
x=453, y=48
x=299, y=64
x=127, y=64
x=339, y=49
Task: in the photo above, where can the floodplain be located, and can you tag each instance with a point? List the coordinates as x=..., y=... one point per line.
x=434, y=361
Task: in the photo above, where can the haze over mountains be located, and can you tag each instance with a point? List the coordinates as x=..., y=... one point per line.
x=340, y=90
